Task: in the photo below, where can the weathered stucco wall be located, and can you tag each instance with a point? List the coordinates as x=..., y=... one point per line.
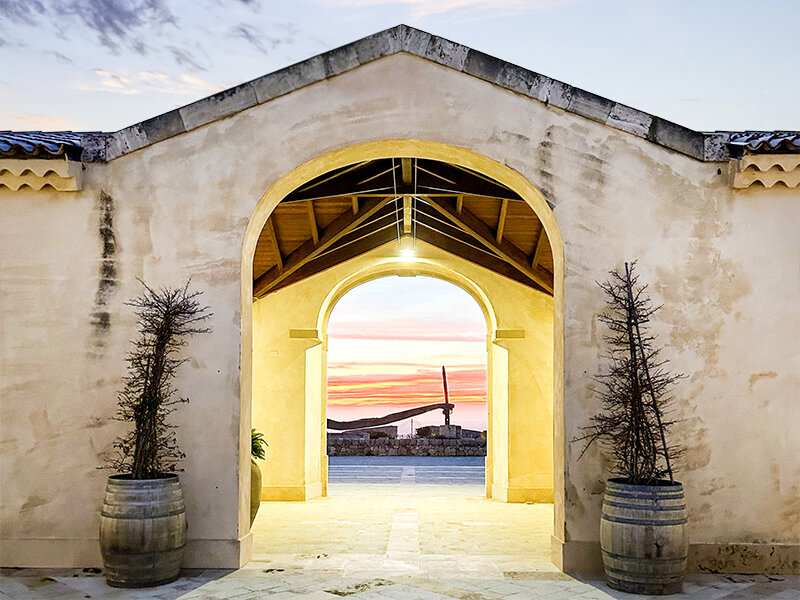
x=723, y=261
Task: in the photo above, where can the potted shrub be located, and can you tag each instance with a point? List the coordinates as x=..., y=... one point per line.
x=258, y=450
x=143, y=520
x=643, y=523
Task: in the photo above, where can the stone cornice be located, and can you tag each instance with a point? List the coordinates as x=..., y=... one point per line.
x=712, y=146
x=701, y=146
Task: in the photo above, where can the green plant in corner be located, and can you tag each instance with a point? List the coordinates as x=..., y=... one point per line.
x=258, y=448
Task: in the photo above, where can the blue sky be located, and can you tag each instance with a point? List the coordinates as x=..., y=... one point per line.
x=105, y=64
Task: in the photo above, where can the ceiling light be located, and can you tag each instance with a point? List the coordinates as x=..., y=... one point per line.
x=406, y=246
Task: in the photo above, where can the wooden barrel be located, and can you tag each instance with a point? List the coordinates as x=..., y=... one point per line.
x=142, y=530
x=643, y=537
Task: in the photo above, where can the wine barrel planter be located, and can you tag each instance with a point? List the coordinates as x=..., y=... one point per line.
x=142, y=530
x=255, y=490
x=643, y=537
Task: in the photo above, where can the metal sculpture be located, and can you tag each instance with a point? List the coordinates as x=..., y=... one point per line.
x=445, y=406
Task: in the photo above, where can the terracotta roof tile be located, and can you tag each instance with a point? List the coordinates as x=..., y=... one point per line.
x=40, y=144
x=766, y=141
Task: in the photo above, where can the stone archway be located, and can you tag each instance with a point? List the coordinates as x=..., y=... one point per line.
x=310, y=337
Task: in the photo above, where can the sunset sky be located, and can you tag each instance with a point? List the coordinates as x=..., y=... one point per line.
x=387, y=342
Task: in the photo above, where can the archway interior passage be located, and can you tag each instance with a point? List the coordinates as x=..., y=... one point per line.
x=387, y=341
x=353, y=209
x=332, y=232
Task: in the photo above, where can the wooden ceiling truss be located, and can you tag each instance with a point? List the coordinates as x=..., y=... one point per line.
x=352, y=210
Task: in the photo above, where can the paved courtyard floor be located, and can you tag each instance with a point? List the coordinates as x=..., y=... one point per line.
x=392, y=532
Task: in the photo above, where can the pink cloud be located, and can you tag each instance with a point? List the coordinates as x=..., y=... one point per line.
x=466, y=384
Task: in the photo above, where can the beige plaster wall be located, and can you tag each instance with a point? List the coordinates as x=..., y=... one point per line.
x=723, y=261
x=289, y=375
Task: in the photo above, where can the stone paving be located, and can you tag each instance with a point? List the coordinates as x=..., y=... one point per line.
x=396, y=540
x=258, y=580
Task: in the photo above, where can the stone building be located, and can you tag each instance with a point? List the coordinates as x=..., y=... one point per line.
x=279, y=195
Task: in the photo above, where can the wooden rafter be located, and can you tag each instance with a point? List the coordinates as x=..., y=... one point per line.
x=501, y=221
x=312, y=221
x=479, y=176
x=341, y=226
x=458, y=248
x=373, y=237
x=409, y=176
x=358, y=207
x=335, y=175
x=376, y=176
x=407, y=214
x=273, y=240
x=541, y=245
x=401, y=190
x=406, y=171
x=445, y=179
x=481, y=232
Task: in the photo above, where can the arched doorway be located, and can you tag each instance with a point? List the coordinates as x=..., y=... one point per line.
x=505, y=334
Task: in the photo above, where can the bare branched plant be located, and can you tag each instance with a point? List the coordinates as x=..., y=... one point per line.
x=636, y=391
x=167, y=317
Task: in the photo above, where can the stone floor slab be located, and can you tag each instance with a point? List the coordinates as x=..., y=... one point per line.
x=402, y=541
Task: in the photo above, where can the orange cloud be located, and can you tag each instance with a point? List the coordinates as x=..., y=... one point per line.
x=467, y=385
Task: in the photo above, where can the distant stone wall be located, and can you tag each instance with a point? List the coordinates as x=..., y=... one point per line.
x=407, y=447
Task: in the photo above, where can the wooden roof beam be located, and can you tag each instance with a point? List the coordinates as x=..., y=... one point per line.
x=334, y=176
x=407, y=214
x=406, y=171
x=458, y=248
x=501, y=221
x=541, y=244
x=401, y=190
x=374, y=236
x=481, y=232
x=341, y=226
x=312, y=221
x=379, y=177
x=273, y=240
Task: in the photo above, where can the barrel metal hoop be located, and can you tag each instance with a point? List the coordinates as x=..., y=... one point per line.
x=154, y=553
x=660, y=559
x=171, y=513
x=644, y=522
x=645, y=495
x=627, y=574
x=643, y=507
